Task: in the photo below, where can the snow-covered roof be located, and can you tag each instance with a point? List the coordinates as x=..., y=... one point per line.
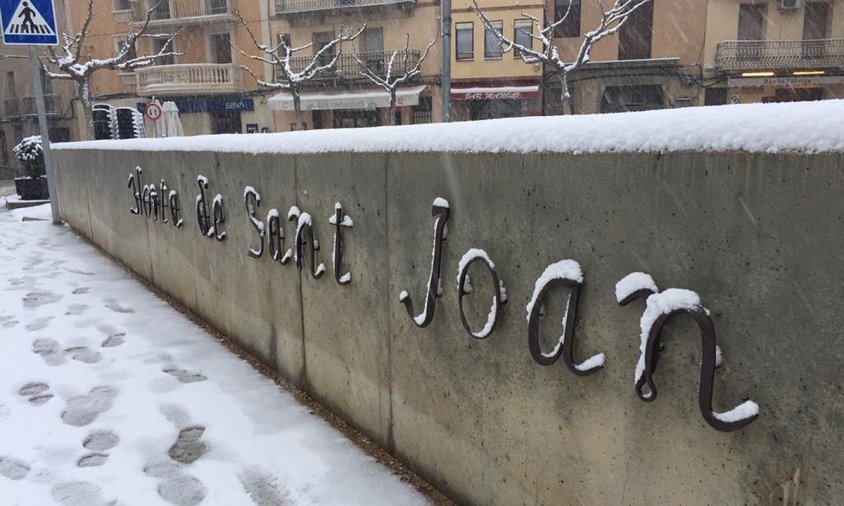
x=800, y=127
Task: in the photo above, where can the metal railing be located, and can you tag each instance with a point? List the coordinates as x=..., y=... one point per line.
x=779, y=54
x=348, y=69
x=12, y=108
x=51, y=106
x=190, y=78
x=283, y=7
x=179, y=10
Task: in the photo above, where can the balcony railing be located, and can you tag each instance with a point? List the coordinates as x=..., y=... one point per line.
x=12, y=108
x=181, y=11
x=348, y=69
x=291, y=7
x=189, y=78
x=779, y=54
x=51, y=106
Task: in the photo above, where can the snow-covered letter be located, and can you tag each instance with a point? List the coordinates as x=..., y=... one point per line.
x=441, y=213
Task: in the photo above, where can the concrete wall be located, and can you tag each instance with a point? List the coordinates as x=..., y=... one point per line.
x=756, y=235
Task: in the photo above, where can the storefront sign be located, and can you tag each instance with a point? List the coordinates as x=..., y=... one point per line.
x=500, y=93
x=791, y=81
x=213, y=104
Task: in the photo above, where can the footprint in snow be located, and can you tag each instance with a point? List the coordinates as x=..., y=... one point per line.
x=114, y=340
x=37, y=299
x=8, y=321
x=84, y=409
x=84, y=354
x=92, y=460
x=49, y=351
x=176, y=487
x=101, y=440
x=184, y=375
x=79, y=493
x=116, y=307
x=262, y=486
x=37, y=393
x=76, y=309
x=182, y=490
x=81, y=290
x=39, y=323
x=189, y=445
x=14, y=469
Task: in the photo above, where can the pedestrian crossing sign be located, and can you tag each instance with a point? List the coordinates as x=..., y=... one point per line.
x=28, y=22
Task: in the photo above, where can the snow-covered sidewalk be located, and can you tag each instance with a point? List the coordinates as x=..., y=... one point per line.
x=110, y=396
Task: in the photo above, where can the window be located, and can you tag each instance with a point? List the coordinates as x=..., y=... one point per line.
x=283, y=40
x=522, y=30
x=635, y=36
x=815, y=27
x=122, y=5
x=632, y=98
x=158, y=43
x=492, y=45
x=751, y=22
x=373, y=51
x=120, y=43
x=571, y=26
x=373, y=40
x=320, y=40
x=715, y=96
x=422, y=112
x=221, y=48
x=465, y=41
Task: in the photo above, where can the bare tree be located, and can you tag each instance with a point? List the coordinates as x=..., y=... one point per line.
x=611, y=21
x=280, y=58
x=387, y=79
x=74, y=65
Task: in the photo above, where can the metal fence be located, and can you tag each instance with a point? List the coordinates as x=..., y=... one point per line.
x=303, y=6
x=349, y=70
x=779, y=54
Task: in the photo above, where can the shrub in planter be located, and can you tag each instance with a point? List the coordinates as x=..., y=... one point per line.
x=33, y=186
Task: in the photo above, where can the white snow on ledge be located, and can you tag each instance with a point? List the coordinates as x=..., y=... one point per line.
x=808, y=127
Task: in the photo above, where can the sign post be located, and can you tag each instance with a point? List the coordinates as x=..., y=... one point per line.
x=33, y=23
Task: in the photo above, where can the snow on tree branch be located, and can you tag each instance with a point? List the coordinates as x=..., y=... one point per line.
x=386, y=79
x=68, y=58
x=280, y=57
x=611, y=22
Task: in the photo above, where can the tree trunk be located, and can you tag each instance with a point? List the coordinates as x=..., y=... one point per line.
x=393, y=108
x=297, y=105
x=565, y=95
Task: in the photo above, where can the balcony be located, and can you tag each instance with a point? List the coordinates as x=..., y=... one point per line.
x=305, y=7
x=741, y=55
x=182, y=12
x=347, y=70
x=12, y=108
x=51, y=106
x=190, y=78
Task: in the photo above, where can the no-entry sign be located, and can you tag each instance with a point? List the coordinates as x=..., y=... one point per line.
x=153, y=111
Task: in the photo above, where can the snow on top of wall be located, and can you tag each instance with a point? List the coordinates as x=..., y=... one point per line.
x=770, y=128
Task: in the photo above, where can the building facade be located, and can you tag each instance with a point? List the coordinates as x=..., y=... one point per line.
x=395, y=30
x=774, y=51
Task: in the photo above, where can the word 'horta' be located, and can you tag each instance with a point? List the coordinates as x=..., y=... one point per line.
x=154, y=203
x=304, y=242
x=568, y=274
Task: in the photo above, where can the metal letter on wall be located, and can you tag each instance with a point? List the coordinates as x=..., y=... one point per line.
x=441, y=212
x=202, y=217
x=463, y=283
x=566, y=273
x=339, y=220
x=252, y=199
x=305, y=237
x=135, y=185
x=660, y=307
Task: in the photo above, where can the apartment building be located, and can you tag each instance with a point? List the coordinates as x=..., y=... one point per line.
x=774, y=50
x=205, y=79
x=19, y=116
x=342, y=97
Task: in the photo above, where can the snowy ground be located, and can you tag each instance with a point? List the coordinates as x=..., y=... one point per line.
x=109, y=396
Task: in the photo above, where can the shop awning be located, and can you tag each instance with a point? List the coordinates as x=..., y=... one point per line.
x=369, y=99
x=495, y=93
